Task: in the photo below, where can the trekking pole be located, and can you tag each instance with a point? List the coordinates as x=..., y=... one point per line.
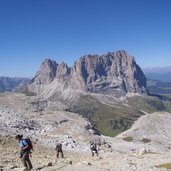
x=30, y=154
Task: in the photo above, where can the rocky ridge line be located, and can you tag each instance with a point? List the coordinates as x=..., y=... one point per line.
x=114, y=74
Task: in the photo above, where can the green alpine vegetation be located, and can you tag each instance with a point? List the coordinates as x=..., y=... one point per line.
x=112, y=120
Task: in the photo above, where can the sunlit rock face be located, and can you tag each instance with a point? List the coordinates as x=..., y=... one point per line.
x=114, y=73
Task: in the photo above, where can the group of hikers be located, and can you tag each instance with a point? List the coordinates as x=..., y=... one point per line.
x=26, y=146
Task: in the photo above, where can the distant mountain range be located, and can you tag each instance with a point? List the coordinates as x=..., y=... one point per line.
x=158, y=73
x=12, y=84
x=158, y=87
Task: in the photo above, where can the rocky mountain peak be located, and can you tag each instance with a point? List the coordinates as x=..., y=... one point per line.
x=114, y=73
x=121, y=53
x=62, y=72
x=48, y=64
x=46, y=73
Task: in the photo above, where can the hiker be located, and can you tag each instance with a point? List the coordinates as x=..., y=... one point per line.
x=25, y=147
x=59, y=150
x=93, y=148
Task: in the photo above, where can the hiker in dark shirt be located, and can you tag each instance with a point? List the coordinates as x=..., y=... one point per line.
x=24, y=152
x=93, y=148
x=59, y=150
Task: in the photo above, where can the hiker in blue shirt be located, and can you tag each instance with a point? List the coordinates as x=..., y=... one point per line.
x=25, y=151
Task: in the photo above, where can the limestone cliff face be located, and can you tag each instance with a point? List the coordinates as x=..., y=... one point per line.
x=46, y=73
x=113, y=74
x=63, y=73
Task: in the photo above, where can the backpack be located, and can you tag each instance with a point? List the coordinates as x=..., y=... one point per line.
x=27, y=139
x=59, y=147
x=93, y=146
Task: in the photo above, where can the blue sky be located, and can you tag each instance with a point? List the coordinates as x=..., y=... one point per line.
x=64, y=30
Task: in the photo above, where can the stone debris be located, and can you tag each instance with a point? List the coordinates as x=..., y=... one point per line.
x=115, y=154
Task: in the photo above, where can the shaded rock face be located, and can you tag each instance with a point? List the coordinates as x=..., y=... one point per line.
x=113, y=74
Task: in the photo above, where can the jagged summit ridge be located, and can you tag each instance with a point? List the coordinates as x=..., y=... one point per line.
x=46, y=73
x=114, y=73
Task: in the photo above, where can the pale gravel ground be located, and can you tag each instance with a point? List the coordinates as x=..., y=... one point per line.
x=122, y=156
x=107, y=161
